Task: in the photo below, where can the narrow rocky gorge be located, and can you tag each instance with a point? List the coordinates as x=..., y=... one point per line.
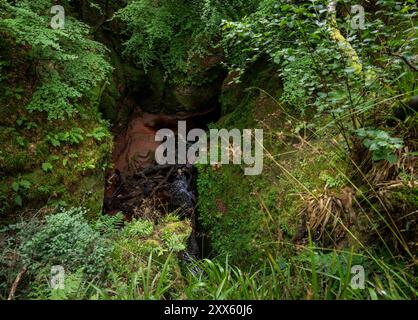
x=139, y=187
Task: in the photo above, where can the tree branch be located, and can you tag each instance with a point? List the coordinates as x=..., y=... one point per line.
x=16, y=282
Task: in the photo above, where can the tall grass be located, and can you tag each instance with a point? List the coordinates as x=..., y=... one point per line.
x=146, y=284
x=312, y=275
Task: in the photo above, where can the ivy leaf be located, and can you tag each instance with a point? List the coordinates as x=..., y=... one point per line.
x=47, y=167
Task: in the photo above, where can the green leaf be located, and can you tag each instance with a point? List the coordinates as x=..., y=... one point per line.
x=25, y=184
x=15, y=186
x=18, y=200
x=55, y=143
x=47, y=167
x=21, y=141
x=392, y=158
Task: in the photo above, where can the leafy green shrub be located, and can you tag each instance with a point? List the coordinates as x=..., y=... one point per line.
x=299, y=81
x=66, y=239
x=174, y=32
x=69, y=65
x=174, y=233
x=380, y=143
x=20, y=186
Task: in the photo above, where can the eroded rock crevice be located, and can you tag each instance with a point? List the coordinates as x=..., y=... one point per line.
x=136, y=185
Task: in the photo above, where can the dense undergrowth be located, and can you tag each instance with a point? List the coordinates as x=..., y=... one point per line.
x=339, y=185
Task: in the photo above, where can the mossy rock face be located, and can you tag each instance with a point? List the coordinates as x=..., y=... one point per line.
x=196, y=91
x=127, y=80
x=195, y=98
x=52, y=163
x=229, y=209
x=248, y=218
x=262, y=74
x=66, y=183
x=108, y=102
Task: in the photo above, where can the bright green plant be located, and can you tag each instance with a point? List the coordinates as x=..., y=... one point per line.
x=380, y=143
x=173, y=33
x=99, y=134
x=66, y=239
x=109, y=224
x=69, y=64
x=47, y=167
x=20, y=187
x=139, y=228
